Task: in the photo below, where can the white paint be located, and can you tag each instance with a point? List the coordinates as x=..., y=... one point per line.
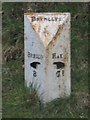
x=47, y=43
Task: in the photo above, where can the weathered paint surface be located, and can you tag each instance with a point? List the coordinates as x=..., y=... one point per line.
x=47, y=54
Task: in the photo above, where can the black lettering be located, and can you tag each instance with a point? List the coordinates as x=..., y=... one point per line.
x=38, y=56
x=58, y=73
x=61, y=56
x=29, y=54
x=34, y=64
x=53, y=19
x=54, y=55
x=38, y=19
x=56, y=18
x=33, y=18
x=34, y=73
x=59, y=65
x=49, y=19
x=63, y=72
x=57, y=56
x=33, y=55
x=45, y=19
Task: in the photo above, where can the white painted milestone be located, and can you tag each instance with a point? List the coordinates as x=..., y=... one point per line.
x=47, y=54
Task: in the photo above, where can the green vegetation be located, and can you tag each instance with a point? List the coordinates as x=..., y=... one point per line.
x=17, y=101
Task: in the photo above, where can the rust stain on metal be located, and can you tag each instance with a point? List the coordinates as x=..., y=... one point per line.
x=55, y=38
x=65, y=57
x=46, y=32
x=34, y=26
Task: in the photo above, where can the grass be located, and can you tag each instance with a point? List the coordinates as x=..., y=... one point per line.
x=18, y=102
